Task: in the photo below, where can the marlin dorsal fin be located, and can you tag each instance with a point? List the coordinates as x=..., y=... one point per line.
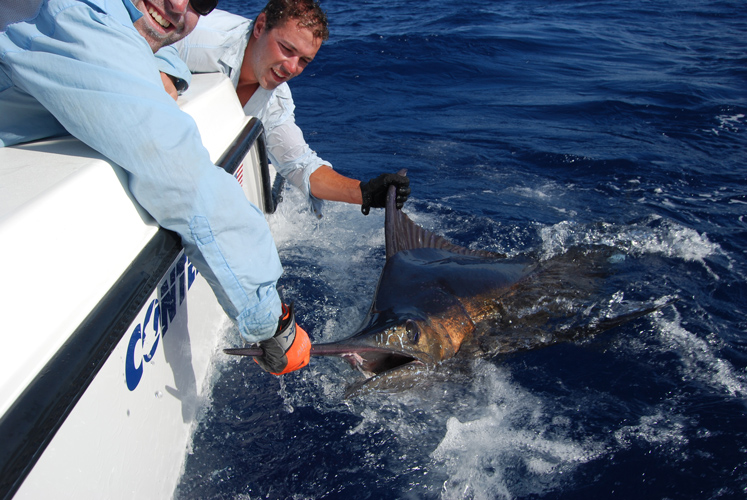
x=401, y=233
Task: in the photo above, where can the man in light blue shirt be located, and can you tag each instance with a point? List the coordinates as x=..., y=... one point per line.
x=88, y=68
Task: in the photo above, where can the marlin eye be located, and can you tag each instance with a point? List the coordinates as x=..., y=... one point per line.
x=413, y=332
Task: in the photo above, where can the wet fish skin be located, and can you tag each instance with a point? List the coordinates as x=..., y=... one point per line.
x=436, y=301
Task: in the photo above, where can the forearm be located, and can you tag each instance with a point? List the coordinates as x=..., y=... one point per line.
x=326, y=184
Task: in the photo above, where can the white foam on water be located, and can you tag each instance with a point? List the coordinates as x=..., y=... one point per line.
x=482, y=436
x=666, y=238
x=542, y=193
x=512, y=449
x=662, y=429
x=699, y=358
x=728, y=123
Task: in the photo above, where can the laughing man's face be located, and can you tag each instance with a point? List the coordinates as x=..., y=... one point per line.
x=165, y=21
x=279, y=54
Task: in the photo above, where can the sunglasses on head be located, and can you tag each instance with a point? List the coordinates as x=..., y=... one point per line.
x=203, y=7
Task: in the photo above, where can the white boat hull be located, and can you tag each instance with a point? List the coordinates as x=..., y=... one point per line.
x=126, y=437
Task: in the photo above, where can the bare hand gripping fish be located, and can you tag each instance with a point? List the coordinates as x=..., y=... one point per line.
x=436, y=300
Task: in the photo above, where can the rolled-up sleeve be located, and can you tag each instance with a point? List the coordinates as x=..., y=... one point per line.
x=286, y=146
x=169, y=62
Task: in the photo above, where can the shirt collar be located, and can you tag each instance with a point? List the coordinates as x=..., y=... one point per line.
x=133, y=11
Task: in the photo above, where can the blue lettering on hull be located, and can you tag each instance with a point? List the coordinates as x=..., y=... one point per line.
x=161, y=312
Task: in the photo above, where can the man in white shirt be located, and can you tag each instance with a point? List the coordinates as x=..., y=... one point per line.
x=260, y=57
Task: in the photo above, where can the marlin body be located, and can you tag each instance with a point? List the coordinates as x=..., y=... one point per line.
x=436, y=301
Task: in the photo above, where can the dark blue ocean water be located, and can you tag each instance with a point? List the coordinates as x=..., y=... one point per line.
x=526, y=126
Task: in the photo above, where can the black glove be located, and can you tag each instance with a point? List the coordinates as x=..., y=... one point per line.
x=374, y=191
x=288, y=349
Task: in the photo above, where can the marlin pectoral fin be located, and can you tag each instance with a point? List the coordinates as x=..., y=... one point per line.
x=399, y=379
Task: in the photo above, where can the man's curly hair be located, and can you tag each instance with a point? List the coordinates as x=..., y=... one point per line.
x=308, y=13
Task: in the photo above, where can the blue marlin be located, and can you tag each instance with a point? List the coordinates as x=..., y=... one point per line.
x=436, y=301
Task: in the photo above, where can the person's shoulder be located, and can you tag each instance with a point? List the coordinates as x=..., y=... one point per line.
x=283, y=91
x=97, y=9
x=222, y=21
x=217, y=29
x=217, y=44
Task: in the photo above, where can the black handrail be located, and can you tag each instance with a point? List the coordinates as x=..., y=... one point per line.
x=253, y=132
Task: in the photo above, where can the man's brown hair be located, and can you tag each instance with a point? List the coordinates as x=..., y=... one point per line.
x=308, y=13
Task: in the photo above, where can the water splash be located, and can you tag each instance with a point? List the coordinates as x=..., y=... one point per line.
x=652, y=236
x=514, y=448
x=662, y=429
x=699, y=357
